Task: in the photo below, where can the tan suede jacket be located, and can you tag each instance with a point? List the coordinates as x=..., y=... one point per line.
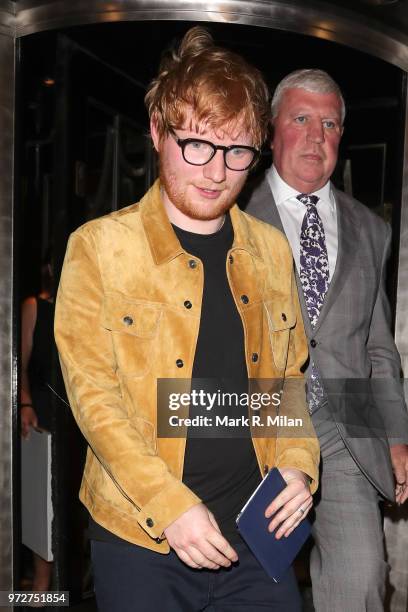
x=121, y=324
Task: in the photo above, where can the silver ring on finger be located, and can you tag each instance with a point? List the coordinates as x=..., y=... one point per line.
x=301, y=511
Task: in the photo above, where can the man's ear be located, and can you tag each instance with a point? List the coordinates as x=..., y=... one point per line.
x=154, y=132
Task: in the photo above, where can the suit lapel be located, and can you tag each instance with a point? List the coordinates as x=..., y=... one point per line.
x=263, y=207
x=348, y=225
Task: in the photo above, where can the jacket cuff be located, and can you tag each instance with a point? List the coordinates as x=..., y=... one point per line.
x=165, y=508
x=303, y=460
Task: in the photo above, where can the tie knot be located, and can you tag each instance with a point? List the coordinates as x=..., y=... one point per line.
x=307, y=199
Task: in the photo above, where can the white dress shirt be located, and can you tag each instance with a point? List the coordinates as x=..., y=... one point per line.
x=292, y=211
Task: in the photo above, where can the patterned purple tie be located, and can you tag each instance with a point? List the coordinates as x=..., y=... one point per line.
x=314, y=277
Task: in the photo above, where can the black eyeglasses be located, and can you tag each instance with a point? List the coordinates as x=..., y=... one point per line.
x=199, y=152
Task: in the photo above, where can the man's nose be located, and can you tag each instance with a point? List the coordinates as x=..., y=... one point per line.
x=215, y=169
x=315, y=131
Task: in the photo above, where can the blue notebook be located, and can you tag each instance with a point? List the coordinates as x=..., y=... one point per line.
x=275, y=556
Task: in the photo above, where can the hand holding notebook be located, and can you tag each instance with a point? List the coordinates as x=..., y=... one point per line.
x=275, y=555
x=292, y=504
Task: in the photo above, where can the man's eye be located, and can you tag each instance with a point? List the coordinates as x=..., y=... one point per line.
x=197, y=145
x=329, y=124
x=238, y=152
x=301, y=119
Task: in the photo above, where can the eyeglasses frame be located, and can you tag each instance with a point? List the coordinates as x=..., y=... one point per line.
x=183, y=142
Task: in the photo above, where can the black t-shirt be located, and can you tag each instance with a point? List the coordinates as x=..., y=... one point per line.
x=222, y=471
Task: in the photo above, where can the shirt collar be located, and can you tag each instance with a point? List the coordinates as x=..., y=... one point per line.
x=282, y=191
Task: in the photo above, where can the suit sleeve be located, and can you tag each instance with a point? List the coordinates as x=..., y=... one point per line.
x=292, y=449
x=89, y=369
x=385, y=361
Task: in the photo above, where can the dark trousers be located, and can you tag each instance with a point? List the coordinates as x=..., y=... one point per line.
x=130, y=578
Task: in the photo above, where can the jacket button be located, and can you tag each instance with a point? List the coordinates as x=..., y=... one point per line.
x=179, y=363
x=231, y=259
x=128, y=320
x=284, y=317
x=159, y=540
x=188, y=304
x=244, y=299
x=149, y=522
x=192, y=263
x=254, y=357
x=266, y=469
x=313, y=343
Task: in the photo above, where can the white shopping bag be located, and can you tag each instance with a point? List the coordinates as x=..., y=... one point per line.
x=36, y=502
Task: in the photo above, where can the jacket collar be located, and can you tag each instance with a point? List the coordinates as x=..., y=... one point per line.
x=161, y=237
x=243, y=237
x=163, y=242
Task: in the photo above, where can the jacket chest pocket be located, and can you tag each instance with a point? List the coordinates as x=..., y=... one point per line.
x=134, y=328
x=281, y=319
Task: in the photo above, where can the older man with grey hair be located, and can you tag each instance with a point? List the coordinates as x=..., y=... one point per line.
x=340, y=250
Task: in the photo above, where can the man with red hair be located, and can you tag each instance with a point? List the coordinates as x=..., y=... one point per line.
x=183, y=285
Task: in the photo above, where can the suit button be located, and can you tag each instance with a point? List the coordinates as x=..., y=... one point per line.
x=244, y=299
x=179, y=363
x=254, y=357
x=313, y=343
x=149, y=522
x=188, y=304
x=128, y=320
x=284, y=317
x=231, y=259
x=192, y=263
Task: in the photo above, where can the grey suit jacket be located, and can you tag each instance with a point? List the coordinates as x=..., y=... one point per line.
x=352, y=344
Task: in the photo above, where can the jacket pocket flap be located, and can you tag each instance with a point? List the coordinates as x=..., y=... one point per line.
x=280, y=315
x=126, y=316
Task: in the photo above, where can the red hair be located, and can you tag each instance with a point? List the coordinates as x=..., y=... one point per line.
x=223, y=90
